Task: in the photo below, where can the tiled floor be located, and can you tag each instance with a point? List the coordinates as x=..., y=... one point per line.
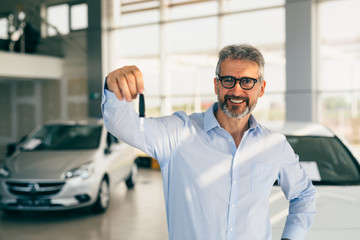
x=132, y=215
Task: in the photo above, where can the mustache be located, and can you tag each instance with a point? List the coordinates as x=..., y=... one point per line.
x=227, y=97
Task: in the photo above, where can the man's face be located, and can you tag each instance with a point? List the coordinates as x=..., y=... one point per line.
x=237, y=102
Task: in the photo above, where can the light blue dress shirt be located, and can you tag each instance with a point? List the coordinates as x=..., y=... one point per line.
x=214, y=190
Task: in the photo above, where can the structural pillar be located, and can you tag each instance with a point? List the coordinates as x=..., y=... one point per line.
x=300, y=96
x=94, y=58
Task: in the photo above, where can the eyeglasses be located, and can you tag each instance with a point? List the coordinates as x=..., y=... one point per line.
x=246, y=83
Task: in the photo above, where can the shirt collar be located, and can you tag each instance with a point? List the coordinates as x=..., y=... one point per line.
x=211, y=122
x=253, y=123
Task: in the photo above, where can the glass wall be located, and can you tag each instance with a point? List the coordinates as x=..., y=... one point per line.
x=4, y=28
x=339, y=67
x=66, y=17
x=175, y=44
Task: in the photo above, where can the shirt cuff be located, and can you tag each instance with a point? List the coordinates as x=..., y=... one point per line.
x=109, y=98
x=105, y=84
x=293, y=232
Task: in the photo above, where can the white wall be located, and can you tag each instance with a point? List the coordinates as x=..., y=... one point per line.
x=26, y=66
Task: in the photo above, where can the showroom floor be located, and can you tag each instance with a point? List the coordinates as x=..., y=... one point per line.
x=132, y=215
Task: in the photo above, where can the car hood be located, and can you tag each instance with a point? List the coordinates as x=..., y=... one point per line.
x=337, y=214
x=338, y=207
x=46, y=164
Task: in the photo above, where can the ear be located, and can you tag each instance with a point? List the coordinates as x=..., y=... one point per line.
x=262, y=88
x=215, y=86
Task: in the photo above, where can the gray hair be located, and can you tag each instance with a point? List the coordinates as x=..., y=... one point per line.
x=241, y=52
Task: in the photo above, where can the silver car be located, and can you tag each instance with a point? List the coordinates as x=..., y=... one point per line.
x=65, y=165
x=335, y=171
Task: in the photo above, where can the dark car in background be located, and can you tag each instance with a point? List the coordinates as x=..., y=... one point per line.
x=335, y=171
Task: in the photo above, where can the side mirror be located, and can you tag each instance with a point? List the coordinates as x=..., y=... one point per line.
x=10, y=149
x=107, y=150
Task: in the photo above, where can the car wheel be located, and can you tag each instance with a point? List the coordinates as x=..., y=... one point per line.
x=103, y=198
x=131, y=180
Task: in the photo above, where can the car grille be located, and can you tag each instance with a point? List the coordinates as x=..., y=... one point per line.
x=34, y=189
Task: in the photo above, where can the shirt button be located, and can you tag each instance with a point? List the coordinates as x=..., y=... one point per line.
x=111, y=101
x=230, y=139
x=235, y=182
x=230, y=229
x=232, y=205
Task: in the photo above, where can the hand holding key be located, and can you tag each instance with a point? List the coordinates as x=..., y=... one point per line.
x=126, y=82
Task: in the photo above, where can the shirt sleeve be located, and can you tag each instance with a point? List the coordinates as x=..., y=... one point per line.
x=299, y=190
x=160, y=136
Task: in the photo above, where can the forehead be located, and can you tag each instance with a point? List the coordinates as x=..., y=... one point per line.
x=239, y=67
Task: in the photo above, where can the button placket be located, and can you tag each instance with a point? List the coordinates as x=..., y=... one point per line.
x=233, y=196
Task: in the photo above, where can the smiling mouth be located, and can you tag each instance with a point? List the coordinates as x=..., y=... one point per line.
x=237, y=101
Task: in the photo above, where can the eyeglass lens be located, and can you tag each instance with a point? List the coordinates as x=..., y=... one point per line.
x=245, y=83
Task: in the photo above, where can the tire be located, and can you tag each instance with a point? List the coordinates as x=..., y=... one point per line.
x=103, y=198
x=131, y=180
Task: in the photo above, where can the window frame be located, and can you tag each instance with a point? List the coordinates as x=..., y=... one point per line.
x=70, y=5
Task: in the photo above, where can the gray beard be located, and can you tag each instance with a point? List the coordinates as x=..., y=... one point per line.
x=224, y=107
x=232, y=114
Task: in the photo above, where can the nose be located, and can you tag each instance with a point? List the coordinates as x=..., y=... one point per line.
x=237, y=88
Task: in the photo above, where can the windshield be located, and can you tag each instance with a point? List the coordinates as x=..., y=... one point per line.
x=64, y=137
x=326, y=160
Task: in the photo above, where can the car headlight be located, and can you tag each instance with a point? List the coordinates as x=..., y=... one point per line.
x=4, y=172
x=84, y=171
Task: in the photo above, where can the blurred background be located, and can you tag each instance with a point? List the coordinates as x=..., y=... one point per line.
x=55, y=54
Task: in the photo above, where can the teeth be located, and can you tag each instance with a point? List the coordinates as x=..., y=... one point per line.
x=236, y=101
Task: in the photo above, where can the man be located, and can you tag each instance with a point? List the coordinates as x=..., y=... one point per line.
x=218, y=167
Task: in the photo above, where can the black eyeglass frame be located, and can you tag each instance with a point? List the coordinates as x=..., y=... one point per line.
x=240, y=81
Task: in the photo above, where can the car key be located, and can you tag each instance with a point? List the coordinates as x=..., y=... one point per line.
x=141, y=111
